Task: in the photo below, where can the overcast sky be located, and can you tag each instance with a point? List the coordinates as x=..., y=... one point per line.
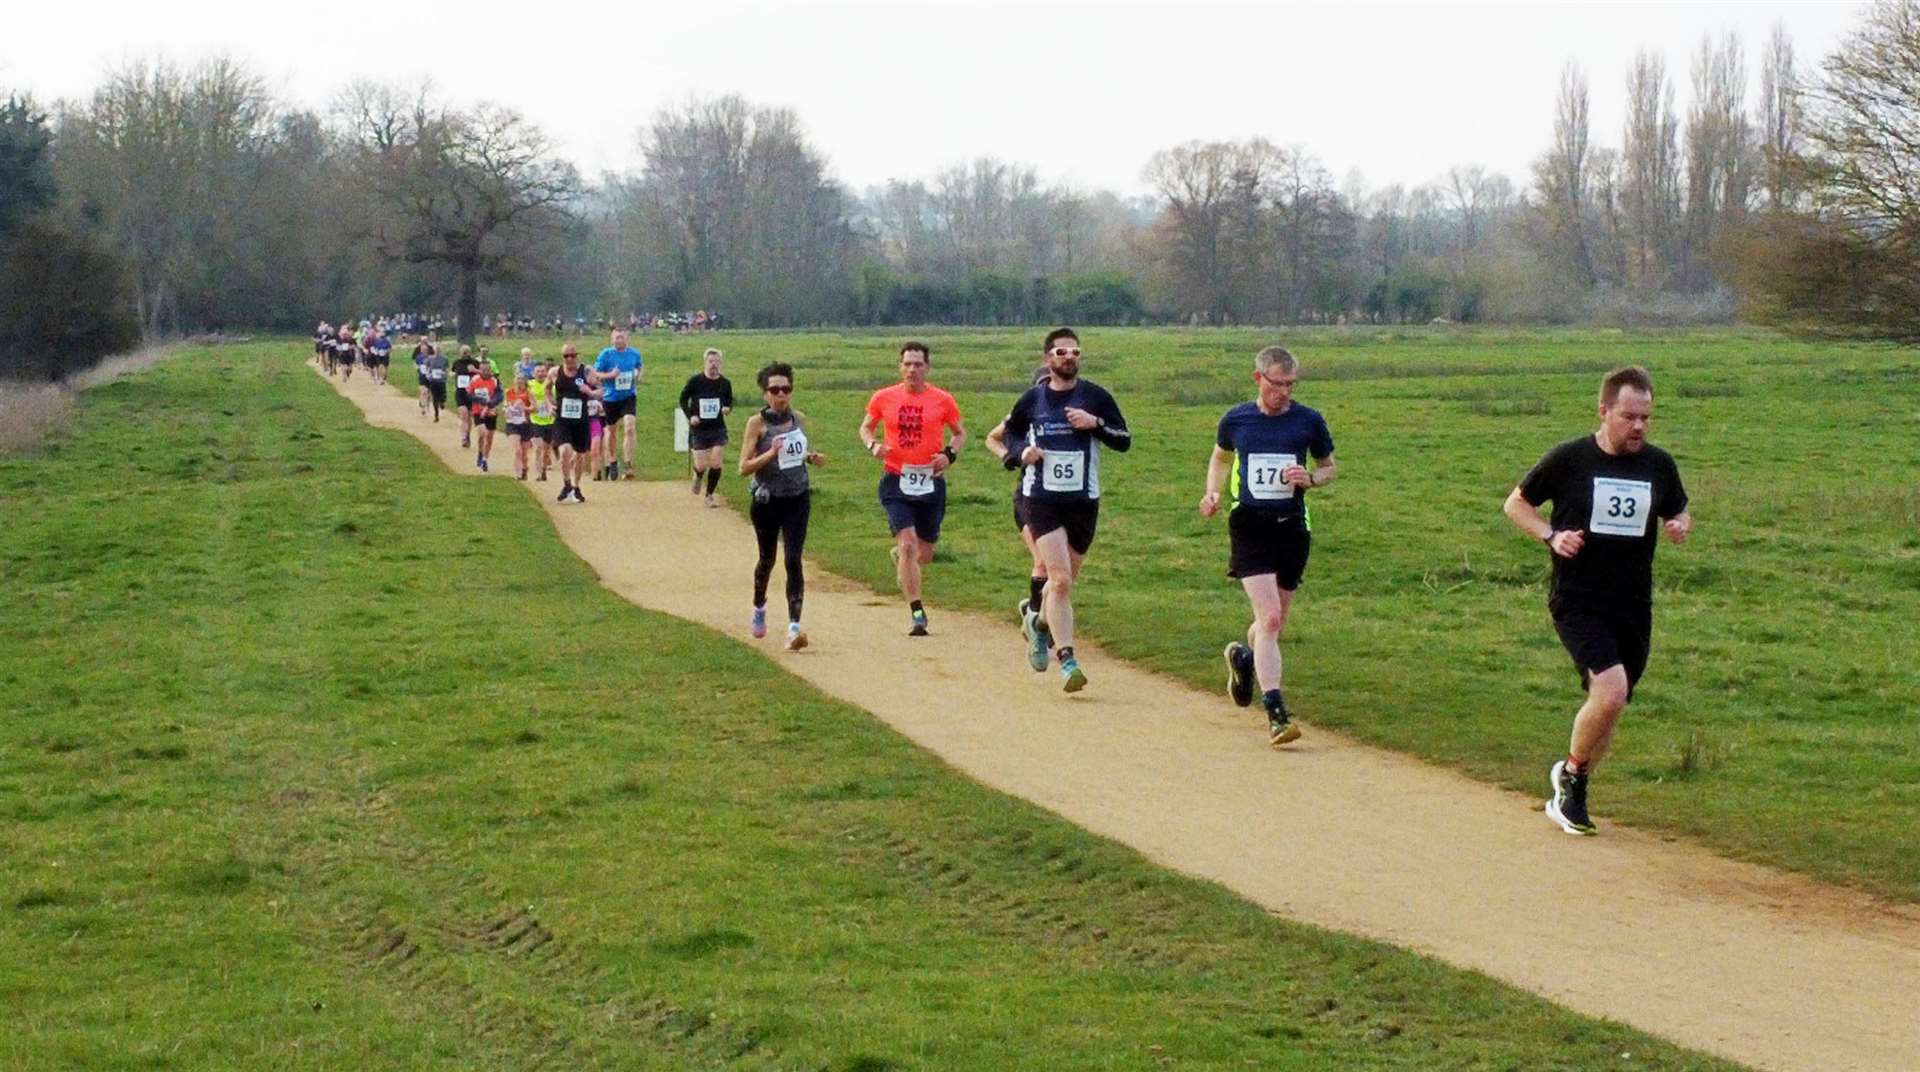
x=1085, y=91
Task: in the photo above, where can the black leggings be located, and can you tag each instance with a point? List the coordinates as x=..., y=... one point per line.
x=785, y=521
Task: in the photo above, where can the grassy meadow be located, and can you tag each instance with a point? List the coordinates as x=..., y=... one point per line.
x=288, y=782
x=1776, y=722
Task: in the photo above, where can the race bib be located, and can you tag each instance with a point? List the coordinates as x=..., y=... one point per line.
x=623, y=381
x=516, y=414
x=438, y=375
x=709, y=408
x=793, y=449
x=462, y=381
x=1620, y=507
x=1264, y=476
x=916, y=480
x=570, y=408
x=544, y=409
x=1063, y=470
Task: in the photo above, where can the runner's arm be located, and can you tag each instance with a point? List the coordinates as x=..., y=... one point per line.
x=750, y=464
x=1217, y=464
x=1112, y=429
x=874, y=444
x=1526, y=517
x=996, y=443
x=1323, y=472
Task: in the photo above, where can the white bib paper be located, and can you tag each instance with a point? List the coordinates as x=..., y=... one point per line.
x=570, y=408
x=1063, y=470
x=1620, y=507
x=916, y=480
x=623, y=381
x=516, y=414
x=438, y=375
x=462, y=381
x=793, y=449
x=709, y=408
x=1264, y=473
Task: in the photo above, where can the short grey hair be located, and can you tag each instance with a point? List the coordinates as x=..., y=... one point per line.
x=711, y=352
x=1275, y=355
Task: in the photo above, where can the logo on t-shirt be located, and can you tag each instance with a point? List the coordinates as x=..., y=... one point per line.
x=912, y=425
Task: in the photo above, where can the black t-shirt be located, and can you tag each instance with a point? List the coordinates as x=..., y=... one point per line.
x=1070, y=471
x=707, y=400
x=571, y=390
x=463, y=367
x=1618, y=500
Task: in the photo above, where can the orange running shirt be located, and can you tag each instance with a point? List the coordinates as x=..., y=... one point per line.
x=911, y=423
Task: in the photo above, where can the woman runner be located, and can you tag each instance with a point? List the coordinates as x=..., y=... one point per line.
x=775, y=461
x=519, y=409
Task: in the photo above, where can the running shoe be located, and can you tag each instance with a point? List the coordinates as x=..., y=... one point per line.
x=758, y=624
x=796, y=637
x=711, y=503
x=483, y=465
x=565, y=490
x=1239, y=673
x=1072, y=678
x=466, y=443
x=1038, y=642
x=919, y=624
x=577, y=497
x=1280, y=728
x=627, y=474
x=1568, y=804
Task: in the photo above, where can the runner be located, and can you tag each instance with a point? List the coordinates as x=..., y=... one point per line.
x=323, y=346
x=542, y=417
x=380, y=354
x=343, y=352
x=464, y=367
x=433, y=370
x=1034, y=629
x=572, y=387
x=525, y=367
x=1265, y=444
x=903, y=429
x=1060, y=426
x=775, y=459
x=597, y=436
x=485, y=393
x=1605, y=489
x=518, y=410
x=420, y=351
x=707, y=399
x=619, y=371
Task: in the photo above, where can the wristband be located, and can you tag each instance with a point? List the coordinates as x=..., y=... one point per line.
x=1548, y=538
x=1011, y=461
x=951, y=456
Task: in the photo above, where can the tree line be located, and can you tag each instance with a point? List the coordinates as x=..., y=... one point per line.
x=175, y=199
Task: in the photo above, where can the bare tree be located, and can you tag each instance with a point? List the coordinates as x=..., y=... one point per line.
x=1780, y=118
x=1650, y=171
x=1196, y=181
x=473, y=190
x=1562, y=174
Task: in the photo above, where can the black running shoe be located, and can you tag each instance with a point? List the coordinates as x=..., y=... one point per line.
x=1239, y=673
x=1568, y=804
x=577, y=497
x=565, y=490
x=919, y=624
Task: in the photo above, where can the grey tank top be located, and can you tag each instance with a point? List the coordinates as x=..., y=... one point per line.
x=786, y=475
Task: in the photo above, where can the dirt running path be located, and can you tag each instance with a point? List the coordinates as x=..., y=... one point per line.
x=1767, y=968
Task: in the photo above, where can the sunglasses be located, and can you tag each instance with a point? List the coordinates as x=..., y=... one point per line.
x=779, y=388
x=1289, y=382
x=1065, y=351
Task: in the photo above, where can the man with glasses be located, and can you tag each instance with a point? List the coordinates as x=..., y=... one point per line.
x=1059, y=426
x=903, y=430
x=1262, y=448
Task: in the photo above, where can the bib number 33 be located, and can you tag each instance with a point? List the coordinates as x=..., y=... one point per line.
x=1620, y=507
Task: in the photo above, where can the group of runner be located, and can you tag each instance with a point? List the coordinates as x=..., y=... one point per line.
x=340, y=350
x=1606, y=491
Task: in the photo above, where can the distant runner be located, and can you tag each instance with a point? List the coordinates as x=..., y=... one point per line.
x=1263, y=447
x=485, y=393
x=464, y=367
x=619, y=371
x=706, y=400
x=903, y=428
x=1606, y=489
x=572, y=388
x=774, y=457
x=1053, y=436
x=433, y=375
x=544, y=408
x=518, y=411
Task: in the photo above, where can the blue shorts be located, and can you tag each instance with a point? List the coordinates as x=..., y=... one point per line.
x=921, y=513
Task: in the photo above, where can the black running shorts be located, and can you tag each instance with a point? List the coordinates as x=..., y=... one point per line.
x=705, y=436
x=1268, y=543
x=626, y=407
x=573, y=433
x=1599, y=637
x=522, y=429
x=1078, y=516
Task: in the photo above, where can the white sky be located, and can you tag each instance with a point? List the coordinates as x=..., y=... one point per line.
x=1085, y=91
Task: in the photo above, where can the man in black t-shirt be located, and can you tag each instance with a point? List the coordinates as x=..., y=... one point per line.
x=1053, y=437
x=1607, y=491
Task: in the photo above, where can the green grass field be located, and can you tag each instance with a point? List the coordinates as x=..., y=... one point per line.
x=288, y=782
x=1776, y=720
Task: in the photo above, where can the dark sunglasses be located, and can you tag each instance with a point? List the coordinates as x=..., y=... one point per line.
x=1065, y=351
x=780, y=389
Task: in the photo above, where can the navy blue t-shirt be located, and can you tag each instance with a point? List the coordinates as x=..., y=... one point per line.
x=1071, y=469
x=1263, y=447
